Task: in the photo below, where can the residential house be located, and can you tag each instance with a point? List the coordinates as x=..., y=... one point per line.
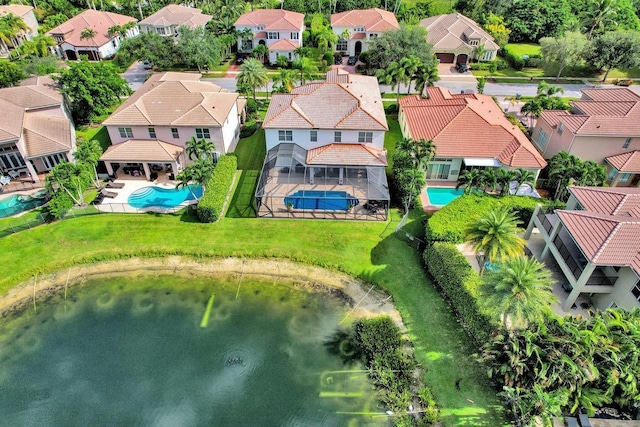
x=36, y=130
x=73, y=41
x=595, y=243
x=167, y=20
x=456, y=39
x=603, y=126
x=26, y=14
x=356, y=28
x=151, y=128
x=280, y=30
x=325, y=149
x=468, y=131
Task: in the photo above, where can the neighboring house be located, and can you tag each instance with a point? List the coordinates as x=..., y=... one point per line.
x=72, y=42
x=151, y=128
x=26, y=14
x=36, y=131
x=167, y=20
x=604, y=125
x=595, y=243
x=325, y=139
x=624, y=169
x=361, y=26
x=280, y=30
x=456, y=38
x=468, y=131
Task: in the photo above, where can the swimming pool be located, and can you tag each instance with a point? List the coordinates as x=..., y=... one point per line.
x=325, y=200
x=17, y=203
x=165, y=198
x=440, y=196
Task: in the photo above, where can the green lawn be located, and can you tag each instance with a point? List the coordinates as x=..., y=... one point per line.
x=250, y=152
x=520, y=49
x=99, y=133
x=390, y=139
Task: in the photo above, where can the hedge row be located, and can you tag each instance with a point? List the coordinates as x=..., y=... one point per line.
x=454, y=275
x=448, y=224
x=516, y=61
x=215, y=193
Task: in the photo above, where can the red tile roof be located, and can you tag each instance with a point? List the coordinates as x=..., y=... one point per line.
x=346, y=155
x=284, y=45
x=94, y=19
x=609, y=200
x=626, y=162
x=468, y=125
x=174, y=14
x=610, y=94
x=343, y=101
x=371, y=19
x=272, y=19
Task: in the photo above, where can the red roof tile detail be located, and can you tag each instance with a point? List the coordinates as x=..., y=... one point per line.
x=347, y=155
x=626, y=162
x=284, y=45
x=623, y=201
x=371, y=19
x=94, y=19
x=272, y=19
x=610, y=94
x=468, y=125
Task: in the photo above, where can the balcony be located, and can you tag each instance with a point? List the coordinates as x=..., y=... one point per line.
x=576, y=261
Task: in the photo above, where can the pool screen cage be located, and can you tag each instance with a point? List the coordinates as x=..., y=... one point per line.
x=289, y=188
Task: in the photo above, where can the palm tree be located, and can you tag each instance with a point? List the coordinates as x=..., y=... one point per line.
x=325, y=38
x=38, y=46
x=199, y=173
x=523, y=177
x=392, y=75
x=200, y=149
x=494, y=235
x=12, y=27
x=478, y=52
x=518, y=291
x=469, y=180
x=603, y=12
x=286, y=78
x=261, y=51
x=302, y=52
x=504, y=178
x=532, y=109
x=68, y=177
x=306, y=67
x=488, y=179
x=409, y=182
x=545, y=89
x=561, y=170
x=426, y=76
x=410, y=65
x=88, y=153
x=253, y=74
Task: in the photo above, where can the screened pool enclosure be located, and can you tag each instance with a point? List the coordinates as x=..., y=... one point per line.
x=290, y=187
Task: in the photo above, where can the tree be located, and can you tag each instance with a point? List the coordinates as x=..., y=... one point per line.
x=469, y=179
x=87, y=154
x=306, y=67
x=393, y=75
x=480, y=85
x=615, y=49
x=260, y=52
x=37, y=46
x=565, y=168
x=426, y=76
x=599, y=14
x=518, y=291
x=410, y=160
x=392, y=46
x=162, y=51
x=530, y=20
x=253, y=74
x=286, y=79
x=488, y=179
x=523, y=177
x=410, y=66
x=494, y=24
x=69, y=178
x=88, y=34
x=494, y=235
x=565, y=50
x=199, y=173
x=527, y=405
x=478, y=52
x=198, y=47
x=92, y=88
x=10, y=74
x=504, y=178
x=11, y=28
x=200, y=149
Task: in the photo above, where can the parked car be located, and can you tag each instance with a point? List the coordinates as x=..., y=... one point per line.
x=462, y=67
x=337, y=59
x=147, y=65
x=240, y=60
x=352, y=60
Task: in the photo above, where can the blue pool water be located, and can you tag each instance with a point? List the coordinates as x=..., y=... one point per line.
x=442, y=196
x=325, y=200
x=17, y=203
x=165, y=198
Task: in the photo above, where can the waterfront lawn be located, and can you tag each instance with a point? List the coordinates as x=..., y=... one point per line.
x=250, y=152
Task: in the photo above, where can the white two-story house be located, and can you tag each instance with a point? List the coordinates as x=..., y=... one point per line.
x=280, y=30
x=325, y=150
x=25, y=13
x=356, y=28
x=151, y=128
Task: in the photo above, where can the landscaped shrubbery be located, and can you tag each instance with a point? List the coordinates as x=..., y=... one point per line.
x=212, y=202
x=457, y=279
x=250, y=127
x=448, y=223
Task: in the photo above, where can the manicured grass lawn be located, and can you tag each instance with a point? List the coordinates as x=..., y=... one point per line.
x=250, y=152
x=99, y=133
x=526, y=73
x=391, y=138
x=437, y=7
x=520, y=49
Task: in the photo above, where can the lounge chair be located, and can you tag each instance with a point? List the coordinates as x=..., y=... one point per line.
x=153, y=176
x=109, y=194
x=115, y=185
x=98, y=199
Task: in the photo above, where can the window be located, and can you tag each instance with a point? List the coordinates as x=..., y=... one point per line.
x=285, y=135
x=473, y=42
x=125, y=132
x=636, y=291
x=560, y=129
x=342, y=45
x=625, y=177
x=52, y=160
x=359, y=29
x=542, y=139
x=438, y=170
x=260, y=28
x=161, y=31
x=174, y=133
x=12, y=160
x=626, y=144
x=203, y=133
x=152, y=133
x=295, y=36
x=59, y=39
x=365, y=137
x=271, y=35
x=313, y=136
x=337, y=136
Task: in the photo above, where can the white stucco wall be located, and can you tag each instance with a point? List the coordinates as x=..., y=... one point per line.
x=163, y=133
x=325, y=136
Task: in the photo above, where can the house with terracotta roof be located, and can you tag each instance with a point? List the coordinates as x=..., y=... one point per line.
x=325, y=150
x=356, y=28
x=468, y=131
x=72, y=43
x=167, y=20
x=36, y=130
x=278, y=29
x=603, y=126
x=25, y=13
x=151, y=128
x=595, y=243
x=455, y=38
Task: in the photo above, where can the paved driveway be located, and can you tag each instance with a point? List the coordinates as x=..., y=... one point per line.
x=135, y=75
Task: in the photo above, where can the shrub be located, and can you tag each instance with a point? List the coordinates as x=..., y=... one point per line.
x=364, y=57
x=215, y=193
x=391, y=108
x=249, y=128
x=59, y=205
x=454, y=275
x=252, y=106
x=516, y=61
x=327, y=57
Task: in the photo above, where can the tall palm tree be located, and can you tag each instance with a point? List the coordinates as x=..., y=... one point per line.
x=38, y=46
x=545, y=89
x=468, y=179
x=488, y=179
x=253, y=74
x=523, y=177
x=12, y=27
x=602, y=12
x=286, y=78
x=410, y=65
x=306, y=68
x=479, y=51
x=532, y=109
x=504, y=178
x=261, y=51
x=88, y=153
x=200, y=149
x=325, y=38
x=392, y=75
x=494, y=235
x=561, y=170
x=199, y=173
x=426, y=76
x=519, y=291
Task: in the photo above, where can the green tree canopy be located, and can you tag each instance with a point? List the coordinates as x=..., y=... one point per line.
x=530, y=20
x=10, y=74
x=615, y=49
x=392, y=46
x=566, y=50
x=495, y=235
x=253, y=74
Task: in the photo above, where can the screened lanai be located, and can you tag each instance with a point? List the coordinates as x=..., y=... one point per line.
x=336, y=181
